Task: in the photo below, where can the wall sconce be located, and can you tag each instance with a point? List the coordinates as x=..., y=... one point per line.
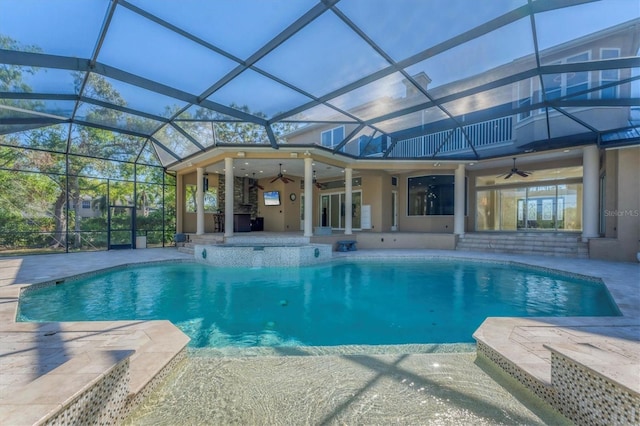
x=240, y=154
x=293, y=155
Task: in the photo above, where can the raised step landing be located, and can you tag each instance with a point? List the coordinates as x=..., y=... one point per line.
x=204, y=239
x=242, y=239
x=533, y=243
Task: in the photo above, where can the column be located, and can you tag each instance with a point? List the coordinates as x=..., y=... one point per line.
x=348, y=200
x=199, y=201
x=228, y=197
x=180, y=203
x=458, y=201
x=590, y=191
x=308, y=196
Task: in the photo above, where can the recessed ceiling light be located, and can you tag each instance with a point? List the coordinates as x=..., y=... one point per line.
x=566, y=150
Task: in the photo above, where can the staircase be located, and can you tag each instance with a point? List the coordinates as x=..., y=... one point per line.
x=193, y=239
x=531, y=243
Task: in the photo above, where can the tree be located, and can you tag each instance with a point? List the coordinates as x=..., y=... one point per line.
x=77, y=159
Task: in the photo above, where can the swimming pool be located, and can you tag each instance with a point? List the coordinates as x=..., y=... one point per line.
x=340, y=303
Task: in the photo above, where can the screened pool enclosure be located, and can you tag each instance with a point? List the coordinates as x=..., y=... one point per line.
x=103, y=101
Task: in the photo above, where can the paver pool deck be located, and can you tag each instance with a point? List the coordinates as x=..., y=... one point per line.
x=43, y=365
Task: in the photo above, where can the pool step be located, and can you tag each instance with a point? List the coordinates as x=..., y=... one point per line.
x=542, y=244
x=271, y=239
x=204, y=239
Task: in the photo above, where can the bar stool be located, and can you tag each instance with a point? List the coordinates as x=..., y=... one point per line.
x=218, y=222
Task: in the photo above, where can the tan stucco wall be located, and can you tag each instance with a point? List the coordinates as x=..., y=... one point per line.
x=623, y=221
x=291, y=209
x=402, y=240
x=274, y=216
x=373, y=192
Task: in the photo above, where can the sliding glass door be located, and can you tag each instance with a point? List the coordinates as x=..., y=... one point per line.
x=332, y=210
x=546, y=207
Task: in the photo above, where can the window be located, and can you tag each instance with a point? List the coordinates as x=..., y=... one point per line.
x=577, y=81
x=566, y=84
x=430, y=195
x=552, y=85
x=333, y=137
x=524, y=99
x=210, y=199
x=369, y=146
x=535, y=203
x=609, y=76
x=86, y=204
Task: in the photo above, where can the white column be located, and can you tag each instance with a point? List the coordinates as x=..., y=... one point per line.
x=199, y=201
x=180, y=202
x=590, y=191
x=228, y=197
x=308, y=197
x=348, y=200
x=458, y=201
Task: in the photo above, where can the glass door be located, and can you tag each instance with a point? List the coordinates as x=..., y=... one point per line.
x=324, y=210
x=513, y=209
x=333, y=210
x=394, y=210
x=336, y=210
x=121, y=216
x=121, y=231
x=302, y=211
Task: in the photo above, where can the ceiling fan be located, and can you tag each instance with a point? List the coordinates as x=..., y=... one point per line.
x=255, y=184
x=514, y=170
x=282, y=177
x=315, y=181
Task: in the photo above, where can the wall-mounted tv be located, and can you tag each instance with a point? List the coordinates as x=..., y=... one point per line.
x=272, y=198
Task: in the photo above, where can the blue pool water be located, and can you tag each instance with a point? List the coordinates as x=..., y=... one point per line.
x=354, y=303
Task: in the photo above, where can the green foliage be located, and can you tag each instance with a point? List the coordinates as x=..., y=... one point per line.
x=41, y=190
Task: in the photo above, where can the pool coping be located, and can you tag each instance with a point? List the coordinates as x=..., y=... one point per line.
x=158, y=344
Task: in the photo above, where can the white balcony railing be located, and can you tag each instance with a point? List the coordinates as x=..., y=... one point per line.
x=490, y=132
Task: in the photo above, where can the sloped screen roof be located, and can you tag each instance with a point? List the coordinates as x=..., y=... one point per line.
x=179, y=77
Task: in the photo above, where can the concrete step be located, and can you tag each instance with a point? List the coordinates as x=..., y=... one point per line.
x=186, y=249
x=545, y=244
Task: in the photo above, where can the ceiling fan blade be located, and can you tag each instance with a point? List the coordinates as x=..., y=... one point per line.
x=275, y=179
x=523, y=174
x=508, y=175
x=501, y=174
